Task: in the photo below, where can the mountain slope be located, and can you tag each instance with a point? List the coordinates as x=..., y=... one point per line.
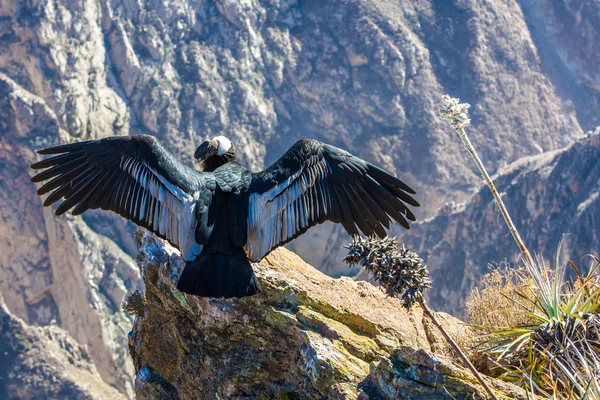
x=548, y=196
x=46, y=362
x=363, y=75
x=57, y=270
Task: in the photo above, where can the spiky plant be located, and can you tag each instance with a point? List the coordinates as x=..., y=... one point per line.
x=402, y=274
x=559, y=350
x=400, y=271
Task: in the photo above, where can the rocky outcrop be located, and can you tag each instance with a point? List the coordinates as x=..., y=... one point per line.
x=46, y=363
x=304, y=336
x=548, y=196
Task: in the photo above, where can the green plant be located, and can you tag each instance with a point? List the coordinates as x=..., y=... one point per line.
x=558, y=349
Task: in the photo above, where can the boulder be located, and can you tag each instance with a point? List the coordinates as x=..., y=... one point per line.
x=305, y=335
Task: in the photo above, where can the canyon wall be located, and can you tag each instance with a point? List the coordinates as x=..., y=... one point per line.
x=363, y=75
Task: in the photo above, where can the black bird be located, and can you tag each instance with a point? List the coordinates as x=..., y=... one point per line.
x=224, y=216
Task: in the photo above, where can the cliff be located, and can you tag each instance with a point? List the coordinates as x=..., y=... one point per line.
x=363, y=75
x=57, y=270
x=46, y=362
x=305, y=336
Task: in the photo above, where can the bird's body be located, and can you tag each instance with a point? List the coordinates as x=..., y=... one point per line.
x=225, y=216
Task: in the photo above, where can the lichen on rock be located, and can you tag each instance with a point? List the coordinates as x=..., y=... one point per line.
x=305, y=335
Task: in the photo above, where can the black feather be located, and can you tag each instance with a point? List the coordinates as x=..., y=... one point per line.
x=49, y=162
x=360, y=203
x=392, y=205
x=63, y=179
x=219, y=275
x=67, y=187
x=383, y=176
x=77, y=193
x=64, y=148
x=59, y=169
x=92, y=192
x=372, y=205
x=357, y=213
x=347, y=219
x=103, y=197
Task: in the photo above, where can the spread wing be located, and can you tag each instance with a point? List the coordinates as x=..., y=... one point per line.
x=133, y=176
x=314, y=182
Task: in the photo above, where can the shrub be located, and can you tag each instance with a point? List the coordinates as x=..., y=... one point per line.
x=544, y=332
x=497, y=303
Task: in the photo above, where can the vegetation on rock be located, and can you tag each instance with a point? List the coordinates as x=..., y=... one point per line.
x=540, y=330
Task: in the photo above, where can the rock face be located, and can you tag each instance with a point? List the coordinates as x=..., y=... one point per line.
x=46, y=363
x=564, y=33
x=57, y=269
x=365, y=75
x=548, y=196
x=304, y=336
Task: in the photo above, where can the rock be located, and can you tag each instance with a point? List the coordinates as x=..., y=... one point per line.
x=45, y=363
x=360, y=75
x=551, y=197
x=363, y=75
x=414, y=374
x=56, y=268
x=564, y=33
x=305, y=335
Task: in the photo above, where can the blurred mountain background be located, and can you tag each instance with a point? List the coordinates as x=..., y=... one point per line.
x=364, y=75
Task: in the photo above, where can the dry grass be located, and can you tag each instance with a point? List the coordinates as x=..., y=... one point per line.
x=497, y=304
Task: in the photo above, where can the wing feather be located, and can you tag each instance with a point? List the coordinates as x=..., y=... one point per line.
x=133, y=176
x=313, y=183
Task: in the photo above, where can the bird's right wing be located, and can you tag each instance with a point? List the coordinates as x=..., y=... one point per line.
x=314, y=182
x=133, y=176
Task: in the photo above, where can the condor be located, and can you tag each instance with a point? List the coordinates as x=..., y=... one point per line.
x=225, y=216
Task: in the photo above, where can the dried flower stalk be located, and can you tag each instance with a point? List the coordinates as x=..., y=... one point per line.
x=456, y=114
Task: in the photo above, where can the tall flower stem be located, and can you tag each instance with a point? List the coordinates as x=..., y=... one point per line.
x=456, y=114
x=431, y=314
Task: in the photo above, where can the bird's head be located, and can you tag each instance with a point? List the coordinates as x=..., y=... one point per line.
x=215, y=152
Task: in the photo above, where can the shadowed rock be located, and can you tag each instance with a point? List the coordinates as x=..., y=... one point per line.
x=46, y=363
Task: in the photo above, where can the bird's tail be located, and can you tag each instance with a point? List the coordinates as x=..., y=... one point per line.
x=219, y=275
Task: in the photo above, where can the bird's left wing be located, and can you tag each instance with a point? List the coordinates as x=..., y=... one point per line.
x=314, y=182
x=133, y=176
